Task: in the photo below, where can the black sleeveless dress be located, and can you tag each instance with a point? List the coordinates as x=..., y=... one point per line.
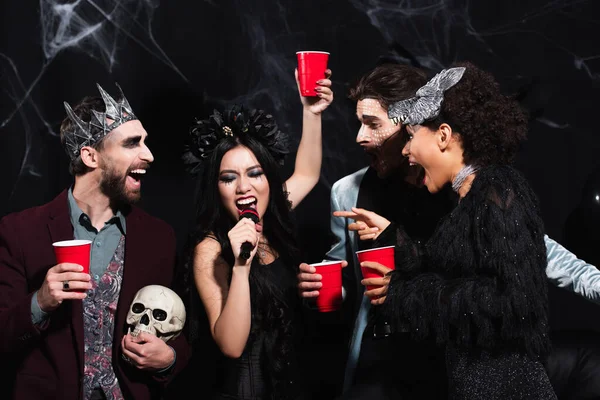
x=268, y=368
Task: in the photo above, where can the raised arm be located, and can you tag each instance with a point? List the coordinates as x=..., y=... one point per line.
x=309, y=156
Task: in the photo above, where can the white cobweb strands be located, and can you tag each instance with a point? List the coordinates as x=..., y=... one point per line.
x=97, y=28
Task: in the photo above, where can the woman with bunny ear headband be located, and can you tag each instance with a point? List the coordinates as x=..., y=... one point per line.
x=478, y=286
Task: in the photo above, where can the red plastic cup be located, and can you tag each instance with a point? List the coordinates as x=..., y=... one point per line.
x=381, y=255
x=74, y=251
x=311, y=68
x=330, y=294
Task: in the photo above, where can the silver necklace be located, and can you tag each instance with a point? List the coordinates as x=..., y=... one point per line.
x=462, y=175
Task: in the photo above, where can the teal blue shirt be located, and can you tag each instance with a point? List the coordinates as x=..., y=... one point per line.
x=104, y=245
x=104, y=242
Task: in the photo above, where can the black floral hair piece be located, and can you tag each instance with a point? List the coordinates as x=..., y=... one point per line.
x=237, y=121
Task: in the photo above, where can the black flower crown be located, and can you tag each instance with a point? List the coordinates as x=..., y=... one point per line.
x=237, y=121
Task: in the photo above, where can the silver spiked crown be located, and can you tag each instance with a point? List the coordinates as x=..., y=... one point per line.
x=88, y=133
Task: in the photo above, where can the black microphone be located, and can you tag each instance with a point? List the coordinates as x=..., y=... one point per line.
x=247, y=247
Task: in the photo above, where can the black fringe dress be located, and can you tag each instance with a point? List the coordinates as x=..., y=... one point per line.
x=478, y=287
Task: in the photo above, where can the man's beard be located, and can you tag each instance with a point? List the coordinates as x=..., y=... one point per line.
x=385, y=165
x=387, y=160
x=383, y=159
x=112, y=185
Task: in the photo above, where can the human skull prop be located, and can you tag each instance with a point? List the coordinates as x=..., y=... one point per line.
x=157, y=310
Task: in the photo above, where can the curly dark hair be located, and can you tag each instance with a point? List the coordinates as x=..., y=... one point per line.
x=490, y=124
x=388, y=83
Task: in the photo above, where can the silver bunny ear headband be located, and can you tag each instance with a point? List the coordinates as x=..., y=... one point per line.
x=427, y=103
x=88, y=133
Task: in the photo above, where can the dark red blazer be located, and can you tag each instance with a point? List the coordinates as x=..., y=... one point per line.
x=48, y=363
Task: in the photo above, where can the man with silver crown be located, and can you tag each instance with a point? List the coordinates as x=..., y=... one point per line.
x=64, y=330
x=387, y=98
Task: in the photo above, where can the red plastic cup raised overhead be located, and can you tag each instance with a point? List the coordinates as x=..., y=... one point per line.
x=381, y=255
x=311, y=68
x=74, y=251
x=330, y=294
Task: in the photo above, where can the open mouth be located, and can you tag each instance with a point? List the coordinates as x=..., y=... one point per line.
x=415, y=173
x=373, y=157
x=135, y=176
x=422, y=178
x=245, y=203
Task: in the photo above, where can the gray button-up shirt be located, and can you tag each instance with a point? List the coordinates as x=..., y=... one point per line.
x=104, y=245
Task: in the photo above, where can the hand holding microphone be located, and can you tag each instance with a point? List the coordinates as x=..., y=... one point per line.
x=247, y=247
x=243, y=237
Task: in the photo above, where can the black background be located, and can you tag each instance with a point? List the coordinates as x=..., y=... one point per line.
x=177, y=59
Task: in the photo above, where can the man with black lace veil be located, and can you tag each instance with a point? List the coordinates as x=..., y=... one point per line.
x=393, y=189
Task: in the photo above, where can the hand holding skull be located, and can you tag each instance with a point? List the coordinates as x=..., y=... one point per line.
x=156, y=310
x=156, y=315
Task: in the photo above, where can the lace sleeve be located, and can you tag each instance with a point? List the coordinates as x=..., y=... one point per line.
x=407, y=253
